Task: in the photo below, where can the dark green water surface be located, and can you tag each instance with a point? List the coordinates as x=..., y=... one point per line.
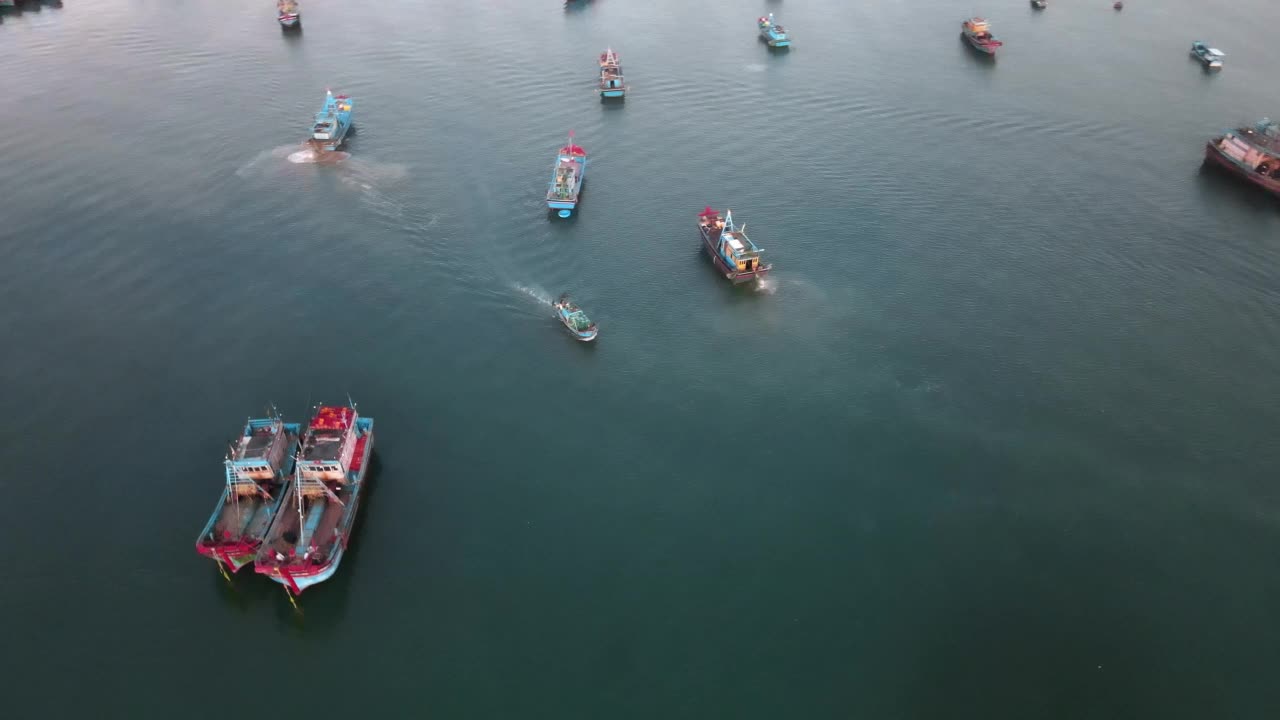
x=997, y=440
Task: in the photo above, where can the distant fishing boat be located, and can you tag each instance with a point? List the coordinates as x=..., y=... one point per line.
x=611, y=82
x=258, y=469
x=307, y=541
x=733, y=253
x=1251, y=153
x=773, y=33
x=566, y=178
x=572, y=317
x=1119, y=5
x=1211, y=58
x=978, y=32
x=1039, y=4
x=332, y=123
x=288, y=14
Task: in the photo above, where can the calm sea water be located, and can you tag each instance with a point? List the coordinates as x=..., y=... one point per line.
x=996, y=440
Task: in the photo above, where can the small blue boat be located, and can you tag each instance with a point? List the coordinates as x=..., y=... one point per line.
x=566, y=178
x=333, y=122
x=611, y=83
x=773, y=33
x=572, y=317
x=1211, y=58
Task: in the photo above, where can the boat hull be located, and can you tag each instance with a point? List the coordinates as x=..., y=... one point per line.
x=976, y=44
x=1217, y=157
x=289, y=22
x=296, y=579
x=732, y=274
x=613, y=93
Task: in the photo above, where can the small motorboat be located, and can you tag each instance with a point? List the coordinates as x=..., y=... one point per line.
x=1039, y=4
x=1211, y=58
x=1119, y=5
x=572, y=317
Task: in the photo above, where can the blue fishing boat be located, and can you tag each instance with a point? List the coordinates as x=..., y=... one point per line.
x=773, y=33
x=572, y=317
x=288, y=14
x=307, y=541
x=333, y=122
x=734, y=255
x=566, y=178
x=611, y=82
x=258, y=471
x=1211, y=58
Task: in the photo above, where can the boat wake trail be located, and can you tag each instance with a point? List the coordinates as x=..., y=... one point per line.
x=307, y=156
x=536, y=293
x=767, y=285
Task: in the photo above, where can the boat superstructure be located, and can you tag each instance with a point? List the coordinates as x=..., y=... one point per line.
x=978, y=32
x=258, y=470
x=773, y=33
x=612, y=84
x=733, y=253
x=308, y=539
x=567, y=177
x=288, y=14
x=332, y=123
x=573, y=318
x=1252, y=153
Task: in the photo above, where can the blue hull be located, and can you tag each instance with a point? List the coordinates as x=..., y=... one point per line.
x=613, y=93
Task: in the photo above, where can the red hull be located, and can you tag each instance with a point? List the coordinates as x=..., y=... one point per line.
x=1215, y=155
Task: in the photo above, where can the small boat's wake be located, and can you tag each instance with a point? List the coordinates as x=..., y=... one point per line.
x=537, y=294
x=755, y=67
x=311, y=156
x=767, y=285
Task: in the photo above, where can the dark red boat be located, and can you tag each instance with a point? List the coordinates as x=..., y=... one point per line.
x=1252, y=153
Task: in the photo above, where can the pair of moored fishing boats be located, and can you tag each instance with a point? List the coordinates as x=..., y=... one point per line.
x=291, y=496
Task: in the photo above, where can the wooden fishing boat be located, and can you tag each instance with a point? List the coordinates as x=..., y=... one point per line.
x=978, y=32
x=258, y=471
x=734, y=255
x=612, y=84
x=332, y=123
x=1250, y=153
x=307, y=541
x=1210, y=57
x=288, y=14
x=567, y=176
x=773, y=34
x=572, y=317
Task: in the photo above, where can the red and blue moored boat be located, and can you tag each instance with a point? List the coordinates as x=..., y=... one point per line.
x=309, y=537
x=258, y=470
